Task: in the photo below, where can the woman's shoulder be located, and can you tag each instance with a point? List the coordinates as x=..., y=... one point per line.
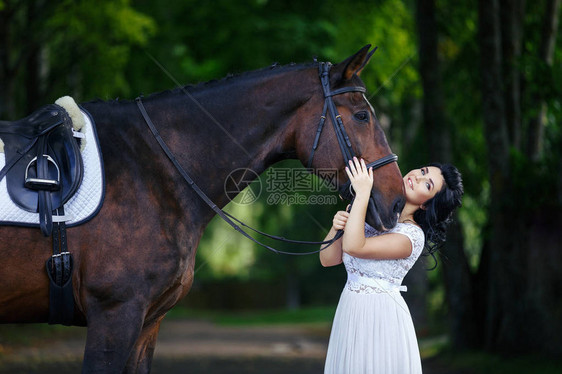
x=413, y=232
x=405, y=228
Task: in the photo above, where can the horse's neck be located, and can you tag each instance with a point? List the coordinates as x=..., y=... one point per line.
x=227, y=127
x=230, y=127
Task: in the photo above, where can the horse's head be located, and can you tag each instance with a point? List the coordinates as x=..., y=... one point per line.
x=328, y=147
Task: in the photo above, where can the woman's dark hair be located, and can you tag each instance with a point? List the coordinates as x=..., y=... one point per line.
x=438, y=211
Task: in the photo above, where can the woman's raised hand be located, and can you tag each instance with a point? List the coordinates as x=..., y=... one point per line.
x=360, y=177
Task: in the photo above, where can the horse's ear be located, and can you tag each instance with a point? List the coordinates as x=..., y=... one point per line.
x=355, y=64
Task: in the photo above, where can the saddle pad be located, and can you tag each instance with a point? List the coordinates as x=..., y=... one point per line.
x=85, y=203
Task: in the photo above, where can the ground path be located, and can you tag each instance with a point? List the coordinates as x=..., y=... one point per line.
x=196, y=347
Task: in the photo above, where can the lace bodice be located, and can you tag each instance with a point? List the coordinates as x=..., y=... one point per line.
x=378, y=276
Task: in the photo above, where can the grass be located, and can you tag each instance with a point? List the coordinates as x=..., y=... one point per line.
x=16, y=336
x=29, y=334
x=479, y=362
x=312, y=315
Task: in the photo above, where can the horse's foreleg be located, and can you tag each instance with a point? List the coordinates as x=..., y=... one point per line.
x=112, y=334
x=140, y=359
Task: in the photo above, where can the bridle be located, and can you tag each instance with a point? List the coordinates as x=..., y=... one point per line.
x=343, y=140
x=342, y=137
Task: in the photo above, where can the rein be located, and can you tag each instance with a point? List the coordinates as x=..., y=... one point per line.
x=224, y=215
x=345, y=147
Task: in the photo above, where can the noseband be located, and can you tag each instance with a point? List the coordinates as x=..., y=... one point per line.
x=343, y=140
x=342, y=137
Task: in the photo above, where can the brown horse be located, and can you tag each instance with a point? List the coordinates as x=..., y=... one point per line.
x=135, y=259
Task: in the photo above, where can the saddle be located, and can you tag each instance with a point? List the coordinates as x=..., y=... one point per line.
x=43, y=162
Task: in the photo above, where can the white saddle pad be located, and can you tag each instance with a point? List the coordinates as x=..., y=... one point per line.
x=85, y=203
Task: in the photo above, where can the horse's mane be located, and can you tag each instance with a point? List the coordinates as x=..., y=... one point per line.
x=274, y=68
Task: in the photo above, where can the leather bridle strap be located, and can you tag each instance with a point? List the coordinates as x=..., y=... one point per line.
x=225, y=216
x=339, y=128
x=383, y=161
x=329, y=107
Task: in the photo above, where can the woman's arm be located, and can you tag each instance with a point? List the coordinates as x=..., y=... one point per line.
x=332, y=255
x=383, y=247
x=354, y=243
x=362, y=182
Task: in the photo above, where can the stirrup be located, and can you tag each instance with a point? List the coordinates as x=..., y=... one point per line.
x=40, y=183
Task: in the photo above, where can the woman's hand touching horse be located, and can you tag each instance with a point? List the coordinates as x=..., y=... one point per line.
x=360, y=177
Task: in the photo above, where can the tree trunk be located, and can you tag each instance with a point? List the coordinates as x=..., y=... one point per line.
x=437, y=129
x=498, y=169
x=511, y=18
x=432, y=107
x=32, y=62
x=293, y=290
x=7, y=107
x=542, y=301
x=516, y=269
x=546, y=52
x=459, y=290
x=418, y=286
x=434, y=121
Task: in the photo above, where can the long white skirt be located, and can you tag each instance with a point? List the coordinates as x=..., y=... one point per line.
x=372, y=334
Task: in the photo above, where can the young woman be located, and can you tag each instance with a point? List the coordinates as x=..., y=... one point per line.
x=372, y=330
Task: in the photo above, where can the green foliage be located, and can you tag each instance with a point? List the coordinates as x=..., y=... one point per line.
x=390, y=26
x=198, y=41
x=223, y=252
x=473, y=217
x=95, y=36
x=391, y=77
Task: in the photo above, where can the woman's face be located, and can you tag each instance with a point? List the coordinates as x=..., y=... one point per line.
x=422, y=184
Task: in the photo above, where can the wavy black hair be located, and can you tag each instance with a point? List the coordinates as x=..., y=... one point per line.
x=438, y=211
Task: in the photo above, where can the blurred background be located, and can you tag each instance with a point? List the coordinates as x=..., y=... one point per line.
x=474, y=83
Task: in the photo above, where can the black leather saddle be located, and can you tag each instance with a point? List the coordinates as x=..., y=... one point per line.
x=43, y=162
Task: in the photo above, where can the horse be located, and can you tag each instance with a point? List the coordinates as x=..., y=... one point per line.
x=135, y=259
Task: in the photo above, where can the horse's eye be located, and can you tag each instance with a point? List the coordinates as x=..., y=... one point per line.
x=362, y=116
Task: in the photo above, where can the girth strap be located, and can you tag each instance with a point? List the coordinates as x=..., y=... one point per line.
x=59, y=270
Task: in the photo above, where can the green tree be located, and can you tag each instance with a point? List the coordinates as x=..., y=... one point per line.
x=517, y=315
x=497, y=287
x=51, y=49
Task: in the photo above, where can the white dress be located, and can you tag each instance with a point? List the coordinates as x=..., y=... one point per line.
x=373, y=332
